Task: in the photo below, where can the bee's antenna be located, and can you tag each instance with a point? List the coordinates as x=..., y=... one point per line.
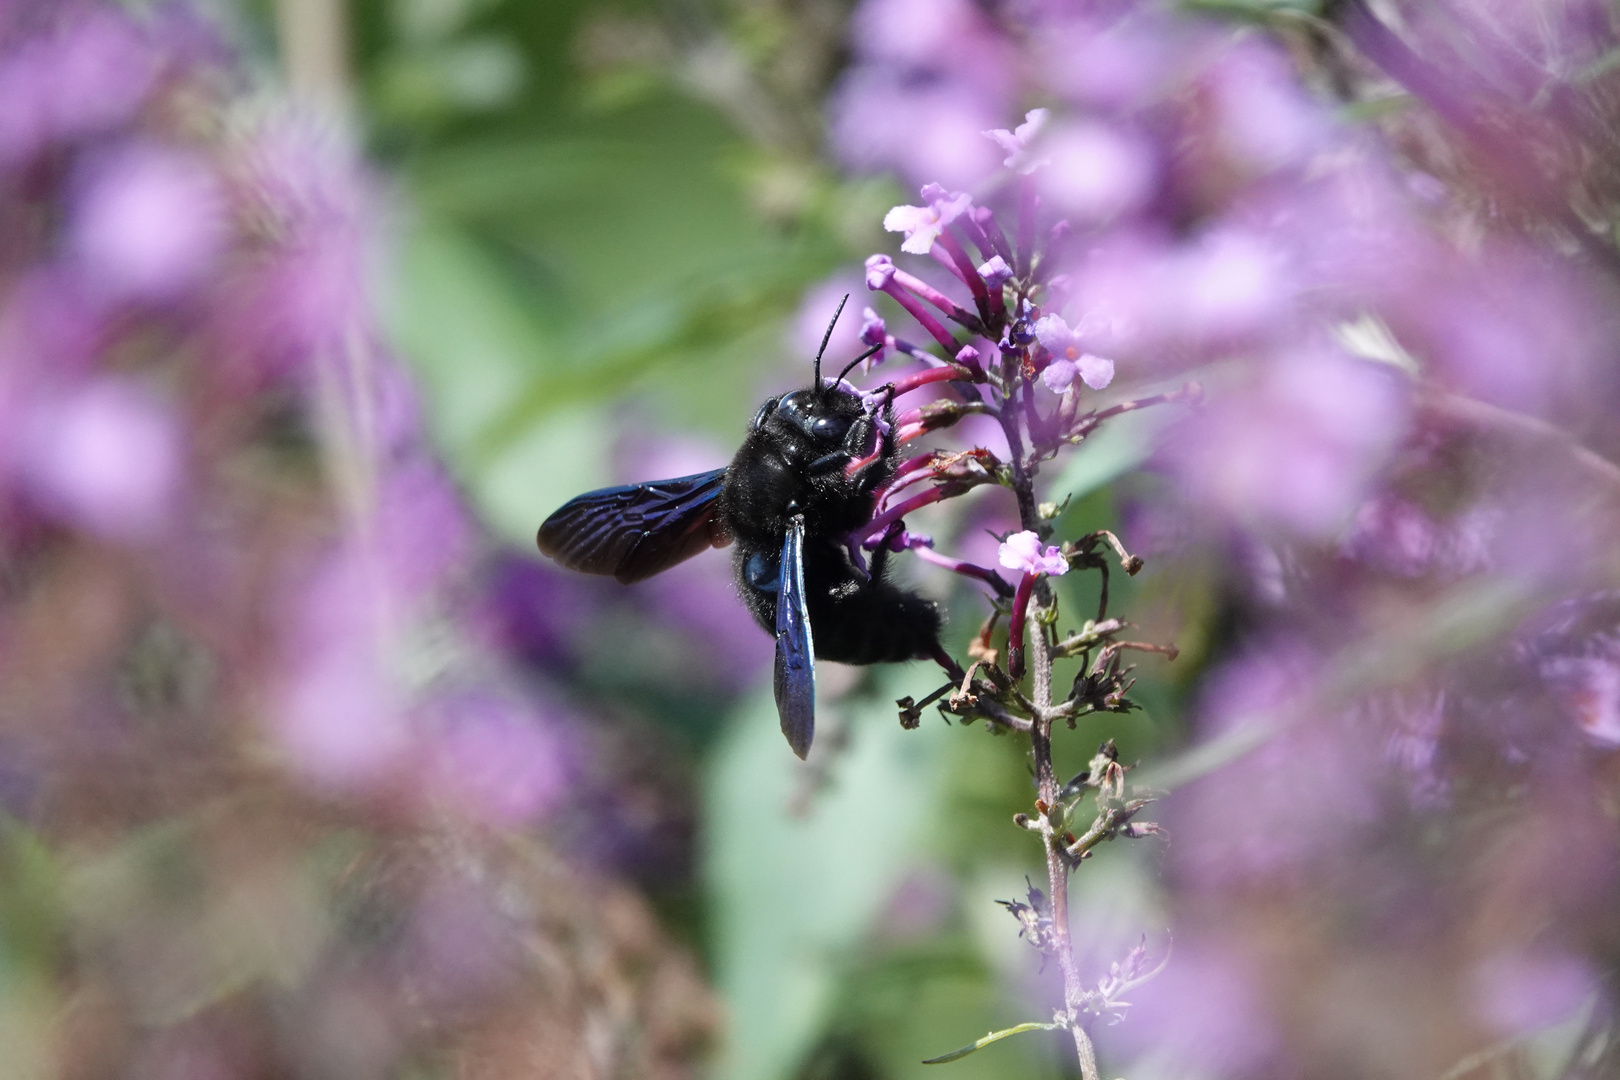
x=857, y=360
x=828, y=337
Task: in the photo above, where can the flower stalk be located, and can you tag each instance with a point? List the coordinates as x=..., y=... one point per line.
x=1034, y=392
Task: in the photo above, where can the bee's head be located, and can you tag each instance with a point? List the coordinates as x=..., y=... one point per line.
x=822, y=413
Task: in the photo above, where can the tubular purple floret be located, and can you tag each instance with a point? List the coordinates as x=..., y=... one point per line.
x=985, y=219
x=921, y=355
x=923, y=546
x=1056, y=239
x=880, y=524
x=923, y=378
x=970, y=358
x=1015, y=628
x=974, y=231
x=948, y=250
x=909, y=472
x=1027, y=202
x=943, y=257
x=921, y=289
x=857, y=557
x=909, y=417
x=857, y=464
x=880, y=274
x=874, y=332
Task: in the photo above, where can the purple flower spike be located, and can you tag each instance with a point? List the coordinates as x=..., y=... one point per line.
x=1023, y=551
x=1017, y=142
x=1069, y=360
x=924, y=224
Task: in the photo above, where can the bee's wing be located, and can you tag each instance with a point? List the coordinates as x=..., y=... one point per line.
x=795, y=680
x=637, y=530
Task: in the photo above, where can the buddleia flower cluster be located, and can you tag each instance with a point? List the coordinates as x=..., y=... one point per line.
x=1380, y=237
x=1012, y=350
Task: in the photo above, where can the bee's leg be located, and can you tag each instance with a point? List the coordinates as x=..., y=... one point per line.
x=859, y=440
x=827, y=463
x=869, y=442
x=880, y=555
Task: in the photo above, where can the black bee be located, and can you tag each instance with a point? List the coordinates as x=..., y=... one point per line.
x=804, y=479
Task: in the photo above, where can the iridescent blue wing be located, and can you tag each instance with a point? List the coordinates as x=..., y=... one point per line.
x=637, y=530
x=795, y=681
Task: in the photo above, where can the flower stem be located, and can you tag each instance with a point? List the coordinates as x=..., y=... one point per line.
x=1039, y=652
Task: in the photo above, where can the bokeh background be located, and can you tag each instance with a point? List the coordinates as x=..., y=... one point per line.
x=310, y=312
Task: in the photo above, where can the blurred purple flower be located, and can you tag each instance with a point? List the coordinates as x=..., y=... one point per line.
x=1096, y=172
x=1397, y=537
x=106, y=457
x=1589, y=687
x=1109, y=64
x=88, y=74
x=1227, y=284
x=1309, y=788
x=492, y=758
x=422, y=528
x=150, y=221
x=339, y=714
x=1206, y=1009
x=538, y=614
x=311, y=296
x=916, y=32
x=815, y=309
x=1298, y=448
x=1520, y=992
x=881, y=119
x=929, y=76
x=1264, y=120
x=1018, y=143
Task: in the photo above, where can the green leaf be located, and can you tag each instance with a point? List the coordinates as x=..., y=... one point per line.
x=994, y=1036
x=794, y=898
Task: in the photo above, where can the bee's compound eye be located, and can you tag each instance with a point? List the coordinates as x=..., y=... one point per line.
x=764, y=411
x=828, y=429
x=763, y=572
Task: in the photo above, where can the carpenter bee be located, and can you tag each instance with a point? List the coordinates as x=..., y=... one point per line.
x=804, y=480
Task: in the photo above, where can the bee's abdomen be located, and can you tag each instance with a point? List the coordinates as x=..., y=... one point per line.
x=875, y=624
